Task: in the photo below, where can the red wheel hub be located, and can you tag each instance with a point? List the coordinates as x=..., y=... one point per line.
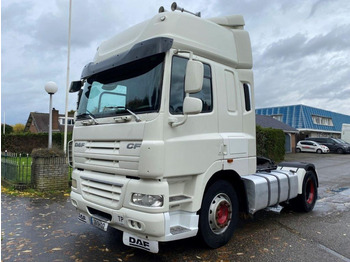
x=310, y=192
x=222, y=214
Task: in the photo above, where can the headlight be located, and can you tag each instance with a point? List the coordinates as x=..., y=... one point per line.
x=147, y=200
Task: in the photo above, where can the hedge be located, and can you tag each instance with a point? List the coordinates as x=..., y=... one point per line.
x=26, y=142
x=270, y=143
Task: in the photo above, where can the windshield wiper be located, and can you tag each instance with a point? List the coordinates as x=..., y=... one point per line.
x=137, y=118
x=91, y=116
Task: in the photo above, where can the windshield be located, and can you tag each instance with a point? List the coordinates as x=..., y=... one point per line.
x=134, y=87
x=341, y=141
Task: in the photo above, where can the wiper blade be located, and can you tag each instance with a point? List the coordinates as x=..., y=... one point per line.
x=137, y=118
x=91, y=116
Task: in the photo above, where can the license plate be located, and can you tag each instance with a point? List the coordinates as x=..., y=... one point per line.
x=144, y=244
x=99, y=223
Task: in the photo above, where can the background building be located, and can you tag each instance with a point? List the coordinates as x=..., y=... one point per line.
x=309, y=121
x=39, y=122
x=289, y=132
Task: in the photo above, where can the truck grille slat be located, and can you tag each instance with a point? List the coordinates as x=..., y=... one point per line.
x=111, y=188
x=104, y=163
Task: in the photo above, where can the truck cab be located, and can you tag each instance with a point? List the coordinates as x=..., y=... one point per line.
x=165, y=133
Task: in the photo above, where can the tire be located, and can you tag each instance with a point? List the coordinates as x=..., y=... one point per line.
x=306, y=201
x=298, y=150
x=218, y=215
x=340, y=151
x=319, y=151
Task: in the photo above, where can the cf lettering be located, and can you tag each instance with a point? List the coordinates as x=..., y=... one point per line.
x=133, y=145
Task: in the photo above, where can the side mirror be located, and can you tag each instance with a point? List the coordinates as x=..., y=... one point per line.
x=193, y=84
x=75, y=86
x=194, y=77
x=192, y=105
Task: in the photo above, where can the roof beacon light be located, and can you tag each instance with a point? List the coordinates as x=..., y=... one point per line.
x=174, y=7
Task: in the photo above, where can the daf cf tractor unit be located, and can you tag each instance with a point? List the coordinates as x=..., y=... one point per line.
x=164, y=143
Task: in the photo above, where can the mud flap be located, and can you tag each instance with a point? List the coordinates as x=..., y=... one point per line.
x=144, y=244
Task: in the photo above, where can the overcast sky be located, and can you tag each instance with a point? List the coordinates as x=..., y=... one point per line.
x=301, y=49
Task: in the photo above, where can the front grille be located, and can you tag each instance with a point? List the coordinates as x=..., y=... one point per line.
x=109, y=157
x=104, y=193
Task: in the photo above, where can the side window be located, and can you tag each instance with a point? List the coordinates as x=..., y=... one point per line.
x=247, y=96
x=177, y=87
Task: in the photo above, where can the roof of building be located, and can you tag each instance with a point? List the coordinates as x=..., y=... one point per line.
x=268, y=121
x=307, y=117
x=41, y=123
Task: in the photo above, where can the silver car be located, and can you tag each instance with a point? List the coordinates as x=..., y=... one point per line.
x=311, y=146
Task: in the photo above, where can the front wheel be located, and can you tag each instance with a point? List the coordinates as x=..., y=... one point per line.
x=219, y=214
x=306, y=201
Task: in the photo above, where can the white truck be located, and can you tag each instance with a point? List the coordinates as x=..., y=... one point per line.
x=164, y=145
x=345, y=133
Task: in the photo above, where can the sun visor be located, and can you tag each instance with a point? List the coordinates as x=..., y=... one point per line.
x=140, y=50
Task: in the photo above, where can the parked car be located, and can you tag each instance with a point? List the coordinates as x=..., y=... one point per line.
x=343, y=141
x=311, y=146
x=333, y=144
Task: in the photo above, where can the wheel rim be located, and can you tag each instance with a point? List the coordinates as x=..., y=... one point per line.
x=310, y=192
x=220, y=213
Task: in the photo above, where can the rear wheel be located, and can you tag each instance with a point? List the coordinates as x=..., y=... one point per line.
x=306, y=201
x=340, y=151
x=298, y=150
x=218, y=215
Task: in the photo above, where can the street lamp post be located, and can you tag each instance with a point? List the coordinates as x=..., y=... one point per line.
x=50, y=88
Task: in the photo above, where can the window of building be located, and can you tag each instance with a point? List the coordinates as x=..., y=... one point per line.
x=278, y=117
x=321, y=120
x=177, y=87
x=70, y=121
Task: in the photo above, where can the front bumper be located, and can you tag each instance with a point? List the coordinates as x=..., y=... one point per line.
x=163, y=227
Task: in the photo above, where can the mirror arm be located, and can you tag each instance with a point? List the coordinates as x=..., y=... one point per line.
x=178, y=51
x=174, y=122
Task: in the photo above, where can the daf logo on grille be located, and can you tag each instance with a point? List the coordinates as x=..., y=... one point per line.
x=77, y=144
x=133, y=145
